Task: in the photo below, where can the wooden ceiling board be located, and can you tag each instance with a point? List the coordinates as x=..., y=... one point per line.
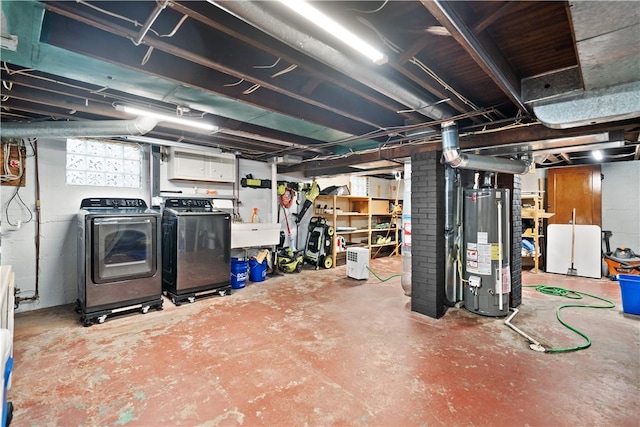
x=535, y=37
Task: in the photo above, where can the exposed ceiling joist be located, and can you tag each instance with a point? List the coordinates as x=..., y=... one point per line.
x=156, y=67
x=490, y=19
x=481, y=48
x=566, y=158
x=246, y=35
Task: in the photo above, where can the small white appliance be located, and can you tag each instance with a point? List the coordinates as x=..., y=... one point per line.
x=358, y=263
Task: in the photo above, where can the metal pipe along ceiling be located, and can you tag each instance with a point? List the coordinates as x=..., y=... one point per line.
x=254, y=14
x=98, y=128
x=452, y=156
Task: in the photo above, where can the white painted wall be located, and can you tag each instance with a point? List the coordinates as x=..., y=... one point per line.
x=386, y=188
x=621, y=203
x=530, y=181
x=259, y=198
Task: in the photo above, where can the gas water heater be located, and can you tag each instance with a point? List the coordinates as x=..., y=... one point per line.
x=486, y=249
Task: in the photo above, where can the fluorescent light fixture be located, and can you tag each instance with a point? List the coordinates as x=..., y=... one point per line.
x=167, y=118
x=597, y=154
x=309, y=12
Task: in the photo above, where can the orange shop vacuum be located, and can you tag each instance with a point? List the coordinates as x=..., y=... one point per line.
x=621, y=261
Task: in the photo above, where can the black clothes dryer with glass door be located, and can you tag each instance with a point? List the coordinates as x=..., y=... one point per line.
x=196, y=250
x=118, y=258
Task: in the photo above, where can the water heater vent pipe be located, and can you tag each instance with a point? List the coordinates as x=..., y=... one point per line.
x=451, y=156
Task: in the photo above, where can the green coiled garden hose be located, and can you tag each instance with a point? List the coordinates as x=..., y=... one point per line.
x=380, y=278
x=575, y=295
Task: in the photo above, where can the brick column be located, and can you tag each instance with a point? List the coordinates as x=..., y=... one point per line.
x=427, y=234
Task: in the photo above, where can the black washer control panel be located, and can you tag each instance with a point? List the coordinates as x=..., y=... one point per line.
x=113, y=203
x=189, y=204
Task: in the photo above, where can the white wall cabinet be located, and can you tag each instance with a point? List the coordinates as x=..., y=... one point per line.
x=196, y=165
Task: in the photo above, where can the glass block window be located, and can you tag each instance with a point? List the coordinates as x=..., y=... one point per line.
x=103, y=164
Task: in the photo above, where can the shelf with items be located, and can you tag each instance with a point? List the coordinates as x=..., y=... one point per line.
x=384, y=237
x=532, y=208
x=349, y=217
x=360, y=221
x=385, y=222
x=341, y=231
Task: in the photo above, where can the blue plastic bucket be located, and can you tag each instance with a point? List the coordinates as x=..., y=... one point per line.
x=238, y=273
x=257, y=271
x=630, y=290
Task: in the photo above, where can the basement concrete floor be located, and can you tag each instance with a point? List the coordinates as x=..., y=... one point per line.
x=320, y=349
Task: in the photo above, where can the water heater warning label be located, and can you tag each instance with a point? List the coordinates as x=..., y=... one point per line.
x=479, y=258
x=472, y=257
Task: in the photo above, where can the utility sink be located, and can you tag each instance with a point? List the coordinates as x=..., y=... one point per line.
x=249, y=235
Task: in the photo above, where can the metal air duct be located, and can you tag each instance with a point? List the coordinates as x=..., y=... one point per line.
x=98, y=128
x=254, y=14
x=606, y=105
x=452, y=156
x=608, y=55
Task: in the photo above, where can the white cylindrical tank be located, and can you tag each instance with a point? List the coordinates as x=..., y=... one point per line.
x=405, y=279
